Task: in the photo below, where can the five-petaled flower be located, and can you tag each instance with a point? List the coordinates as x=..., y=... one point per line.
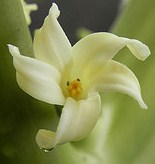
x=74, y=76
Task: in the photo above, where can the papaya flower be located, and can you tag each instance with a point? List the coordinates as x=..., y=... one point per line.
x=73, y=77
x=28, y=8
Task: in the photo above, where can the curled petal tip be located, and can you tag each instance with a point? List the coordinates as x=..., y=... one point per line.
x=10, y=46
x=13, y=50
x=44, y=139
x=140, y=101
x=139, y=49
x=143, y=105
x=54, y=10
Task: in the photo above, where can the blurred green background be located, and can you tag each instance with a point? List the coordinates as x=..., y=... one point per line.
x=125, y=133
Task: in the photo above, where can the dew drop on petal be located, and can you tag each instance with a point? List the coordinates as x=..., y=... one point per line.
x=46, y=150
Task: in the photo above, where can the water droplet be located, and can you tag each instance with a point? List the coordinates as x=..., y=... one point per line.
x=46, y=150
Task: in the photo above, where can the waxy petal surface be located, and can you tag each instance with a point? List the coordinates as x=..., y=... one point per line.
x=77, y=120
x=36, y=78
x=104, y=46
x=114, y=76
x=50, y=42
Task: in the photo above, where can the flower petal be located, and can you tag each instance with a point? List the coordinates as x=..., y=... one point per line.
x=104, y=46
x=114, y=76
x=36, y=78
x=50, y=42
x=77, y=120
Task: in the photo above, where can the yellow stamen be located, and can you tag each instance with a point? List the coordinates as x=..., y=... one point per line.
x=74, y=88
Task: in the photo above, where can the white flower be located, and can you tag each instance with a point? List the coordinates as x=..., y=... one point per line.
x=74, y=76
x=28, y=8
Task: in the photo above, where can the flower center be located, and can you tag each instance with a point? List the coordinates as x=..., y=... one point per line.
x=74, y=88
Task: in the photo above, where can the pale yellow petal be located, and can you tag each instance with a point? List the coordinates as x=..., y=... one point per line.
x=50, y=42
x=104, y=46
x=77, y=120
x=114, y=76
x=36, y=78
